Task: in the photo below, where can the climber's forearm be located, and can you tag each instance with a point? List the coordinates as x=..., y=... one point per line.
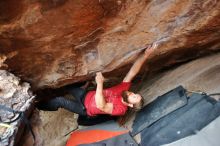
x=135, y=68
x=138, y=64
x=101, y=104
x=99, y=98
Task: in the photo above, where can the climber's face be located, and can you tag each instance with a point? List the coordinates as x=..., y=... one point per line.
x=133, y=98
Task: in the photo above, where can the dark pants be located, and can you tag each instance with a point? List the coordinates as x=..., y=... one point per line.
x=75, y=105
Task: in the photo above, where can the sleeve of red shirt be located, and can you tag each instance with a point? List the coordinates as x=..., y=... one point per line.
x=120, y=87
x=118, y=110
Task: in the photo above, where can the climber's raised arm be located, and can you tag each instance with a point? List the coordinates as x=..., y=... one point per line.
x=101, y=104
x=138, y=63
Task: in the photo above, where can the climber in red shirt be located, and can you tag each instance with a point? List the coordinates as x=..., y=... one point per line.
x=113, y=101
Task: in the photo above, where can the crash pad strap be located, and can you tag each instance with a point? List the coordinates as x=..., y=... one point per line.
x=214, y=94
x=5, y=108
x=20, y=115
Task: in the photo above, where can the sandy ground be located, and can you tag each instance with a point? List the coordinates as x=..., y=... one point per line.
x=199, y=75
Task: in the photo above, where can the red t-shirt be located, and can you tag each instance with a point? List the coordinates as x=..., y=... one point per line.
x=112, y=95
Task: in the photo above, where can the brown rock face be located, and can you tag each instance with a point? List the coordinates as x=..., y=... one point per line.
x=51, y=43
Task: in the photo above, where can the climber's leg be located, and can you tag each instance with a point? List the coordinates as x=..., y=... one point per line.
x=78, y=93
x=61, y=102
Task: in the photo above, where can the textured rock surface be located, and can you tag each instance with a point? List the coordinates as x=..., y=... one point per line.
x=201, y=75
x=57, y=42
x=50, y=128
x=18, y=97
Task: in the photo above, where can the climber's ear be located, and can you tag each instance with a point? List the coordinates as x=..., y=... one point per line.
x=131, y=105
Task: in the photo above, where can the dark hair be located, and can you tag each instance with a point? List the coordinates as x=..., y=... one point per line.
x=131, y=110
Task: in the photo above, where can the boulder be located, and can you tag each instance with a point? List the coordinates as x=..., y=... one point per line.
x=52, y=43
x=15, y=96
